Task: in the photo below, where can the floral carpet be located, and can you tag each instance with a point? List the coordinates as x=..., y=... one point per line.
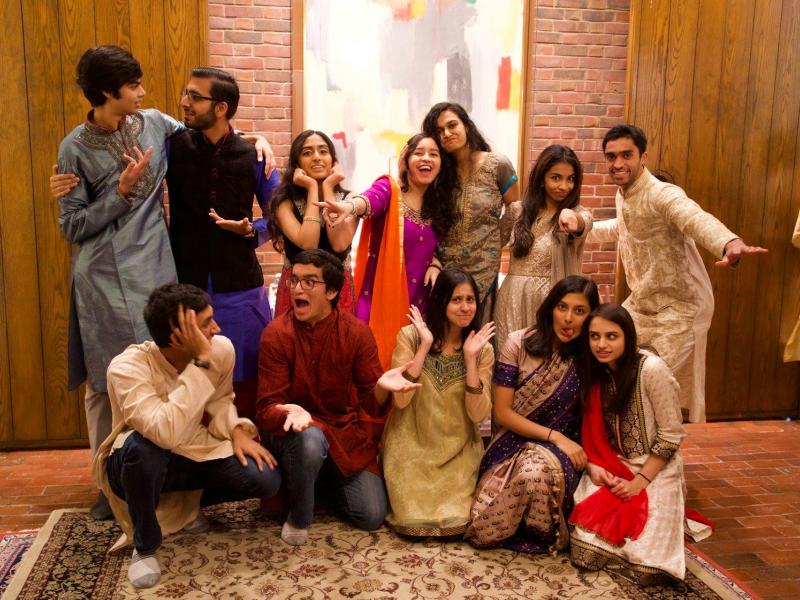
x=13, y=547
x=244, y=557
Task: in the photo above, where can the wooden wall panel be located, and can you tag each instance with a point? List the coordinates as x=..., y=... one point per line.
x=40, y=44
x=722, y=107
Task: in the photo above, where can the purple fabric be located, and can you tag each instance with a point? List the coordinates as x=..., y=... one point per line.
x=419, y=242
x=505, y=375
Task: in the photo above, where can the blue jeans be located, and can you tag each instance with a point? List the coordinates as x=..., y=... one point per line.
x=306, y=468
x=141, y=471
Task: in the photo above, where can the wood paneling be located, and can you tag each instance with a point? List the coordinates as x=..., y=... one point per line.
x=720, y=101
x=40, y=44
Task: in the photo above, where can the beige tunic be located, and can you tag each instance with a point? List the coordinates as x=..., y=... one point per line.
x=431, y=449
x=149, y=396
x=652, y=424
x=551, y=258
x=671, y=299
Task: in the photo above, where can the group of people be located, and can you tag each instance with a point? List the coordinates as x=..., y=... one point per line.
x=366, y=389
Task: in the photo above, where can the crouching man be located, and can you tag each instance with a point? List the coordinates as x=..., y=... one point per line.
x=161, y=463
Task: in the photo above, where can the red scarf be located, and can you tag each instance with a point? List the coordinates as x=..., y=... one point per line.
x=610, y=517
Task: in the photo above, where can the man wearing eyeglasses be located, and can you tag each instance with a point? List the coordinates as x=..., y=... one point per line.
x=320, y=391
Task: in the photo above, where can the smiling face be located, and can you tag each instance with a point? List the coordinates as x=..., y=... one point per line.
x=129, y=100
x=424, y=163
x=315, y=157
x=199, y=114
x=559, y=181
x=452, y=131
x=624, y=161
x=568, y=316
x=606, y=341
x=462, y=306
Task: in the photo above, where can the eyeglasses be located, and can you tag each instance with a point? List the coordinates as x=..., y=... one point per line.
x=305, y=284
x=195, y=97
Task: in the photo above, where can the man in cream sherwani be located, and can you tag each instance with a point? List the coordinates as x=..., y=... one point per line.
x=656, y=228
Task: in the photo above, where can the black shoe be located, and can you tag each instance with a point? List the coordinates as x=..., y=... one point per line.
x=101, y=509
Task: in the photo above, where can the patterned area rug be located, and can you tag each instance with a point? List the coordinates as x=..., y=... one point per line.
x=13, y=547
x=243, y=557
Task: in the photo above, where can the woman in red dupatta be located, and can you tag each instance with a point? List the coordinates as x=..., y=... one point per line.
x=629, y=505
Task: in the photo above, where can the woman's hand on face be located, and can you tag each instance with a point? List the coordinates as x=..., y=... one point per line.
x=425, y=335
x=573, y=451
x=476, y=340
x=599, y=475
x=568, y=221
x=302, y=179
x=335, y=178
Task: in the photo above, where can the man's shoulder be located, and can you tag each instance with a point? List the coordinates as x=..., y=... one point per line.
x=355, y=327
x=133, y=356
x=68, y=143
x=280, y=327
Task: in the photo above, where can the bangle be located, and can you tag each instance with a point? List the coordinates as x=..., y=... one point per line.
x=312, y=219
x=549, y=433
x=474, y=390
x=435, y=266
x=646, y=478
x=351, y=203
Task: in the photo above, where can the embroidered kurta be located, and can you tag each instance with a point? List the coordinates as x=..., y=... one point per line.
x=330, y=369
x=432, y=448
x=552, y=257
x=474, y=241
x=671, y=298
x=148, y=395
x=123, y=250
x=650, y=424
x=792, y=350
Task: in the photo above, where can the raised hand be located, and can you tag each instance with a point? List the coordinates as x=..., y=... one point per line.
x=735, y=250
x=476, y=340
x=297, y=418
x=187, y=336
x=393, y=380
x=303, y=179
x=241, y=227
x=134, y=170
x=568, y=221
x=62, y=184
x=425, y=335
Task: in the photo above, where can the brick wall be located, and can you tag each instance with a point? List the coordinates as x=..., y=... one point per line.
x=577, y=87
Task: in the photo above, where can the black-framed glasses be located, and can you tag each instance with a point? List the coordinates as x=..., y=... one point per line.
x=195, y=97
x=305, y=284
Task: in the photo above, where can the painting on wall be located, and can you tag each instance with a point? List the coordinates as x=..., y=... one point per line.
x=373, y=68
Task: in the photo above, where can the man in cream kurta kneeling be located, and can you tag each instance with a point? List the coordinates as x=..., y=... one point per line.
x=656, y=228
x=161, y=462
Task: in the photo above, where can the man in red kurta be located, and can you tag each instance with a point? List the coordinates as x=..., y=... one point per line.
x=319, y=399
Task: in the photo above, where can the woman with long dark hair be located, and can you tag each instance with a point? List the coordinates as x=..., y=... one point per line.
x=532, y=465
x=547, y=241
x=402, y=225
x=296, y=223
x=487, y=182
x=629, y=505
x=431, y=444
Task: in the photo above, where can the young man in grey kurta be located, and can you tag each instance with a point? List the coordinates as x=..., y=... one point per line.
x=114, y=216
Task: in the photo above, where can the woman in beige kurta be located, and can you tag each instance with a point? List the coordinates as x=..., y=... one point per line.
x=431, y=446
x=629, y=506
x=548, y=239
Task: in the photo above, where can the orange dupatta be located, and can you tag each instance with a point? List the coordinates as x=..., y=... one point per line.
x=389, y=295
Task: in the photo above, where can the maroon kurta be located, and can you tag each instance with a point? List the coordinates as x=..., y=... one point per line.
x=331, y=370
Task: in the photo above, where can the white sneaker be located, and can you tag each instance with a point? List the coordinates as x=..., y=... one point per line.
x=199, y=525
x=143, y=571
x=294, y=536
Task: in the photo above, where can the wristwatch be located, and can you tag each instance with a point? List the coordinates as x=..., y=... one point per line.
x=203, y=364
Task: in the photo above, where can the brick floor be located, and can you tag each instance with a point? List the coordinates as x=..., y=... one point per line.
x=745, y=476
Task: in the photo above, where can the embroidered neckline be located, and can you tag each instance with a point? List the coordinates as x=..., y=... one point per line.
x=414, y=215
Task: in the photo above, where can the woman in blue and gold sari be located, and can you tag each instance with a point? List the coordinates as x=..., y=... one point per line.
x=534, y=461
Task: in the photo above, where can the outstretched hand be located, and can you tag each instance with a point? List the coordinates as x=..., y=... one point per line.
x=393, y=380
x=134, y=170
x=735, y=250
x=568, y=221
x=425, y=335
x=476, y=340
x=62, y=184
x=297, y=418
x=241, y=227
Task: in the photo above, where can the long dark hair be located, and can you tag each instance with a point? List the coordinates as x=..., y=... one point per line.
x=288, y=190
x=540, y=342
x=535, y=199
x=438, y=201
x=430, y=125
x=436, y=313
x=627, y=369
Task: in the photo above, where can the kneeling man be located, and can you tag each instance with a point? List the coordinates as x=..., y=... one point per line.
x=321, y=399
x=161, y=462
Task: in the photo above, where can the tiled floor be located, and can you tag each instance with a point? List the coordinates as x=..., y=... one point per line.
x=745, y=476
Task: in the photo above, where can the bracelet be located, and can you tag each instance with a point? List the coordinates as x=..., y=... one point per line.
x=312, y=219
x=549, y=433
x=646, y=478
x=474, y=390
x=435, y=266
x=409, y=377
x=351, y=203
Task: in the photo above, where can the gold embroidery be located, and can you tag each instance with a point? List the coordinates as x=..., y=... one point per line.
x=415, y=216
x=594, y=558
x=445, y=370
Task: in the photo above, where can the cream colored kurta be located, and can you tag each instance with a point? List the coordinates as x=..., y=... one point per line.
x=652, y=424
x=149, y=396
x=671, y=299
x=551, y=258
x=431, y=448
